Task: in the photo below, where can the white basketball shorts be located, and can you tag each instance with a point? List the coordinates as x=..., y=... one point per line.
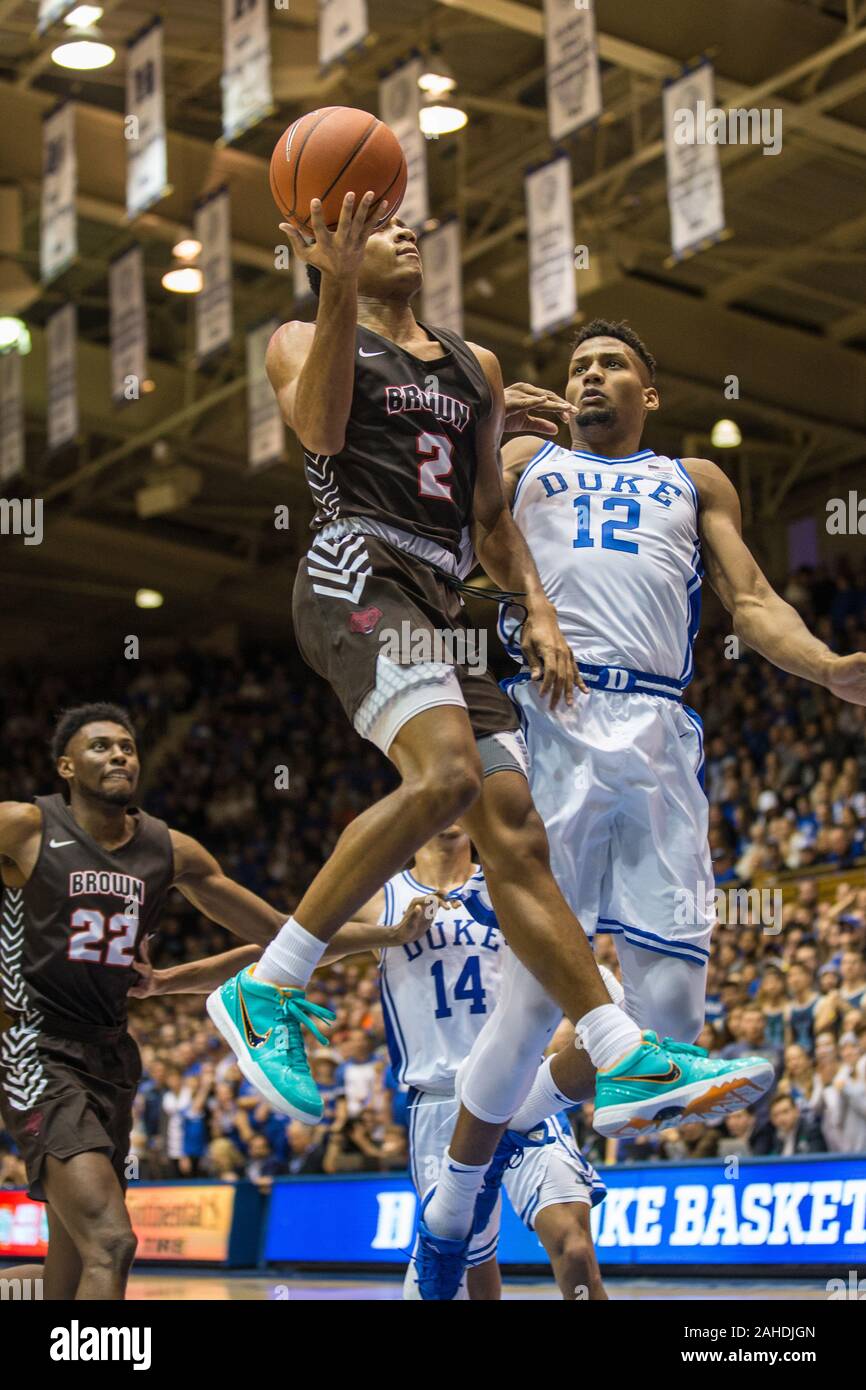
x=615, y=779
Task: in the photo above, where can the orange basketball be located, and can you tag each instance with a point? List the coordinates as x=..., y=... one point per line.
x=331, y=152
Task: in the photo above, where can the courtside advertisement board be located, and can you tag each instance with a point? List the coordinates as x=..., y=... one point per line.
x=793, y=1212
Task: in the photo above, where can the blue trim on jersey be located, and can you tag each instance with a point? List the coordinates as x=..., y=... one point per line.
x=389, y=905
x=506, y=685
x=397, y=1049
x=511, y=647
x=413, y=882
x=678, y=463
x=529, y=1210
x=643, y=682
x=482, y=1256
x=610, y=926
x=536, y=458
x=600, y=458
x=695, y=719
x=693, y=613
x=412, y=1107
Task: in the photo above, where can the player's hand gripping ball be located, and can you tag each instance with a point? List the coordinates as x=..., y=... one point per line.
x=329, y=153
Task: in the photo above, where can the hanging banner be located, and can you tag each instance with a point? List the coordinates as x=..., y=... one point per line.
x=246, y=79
x=343, y=25
x=128, y=325
x=50, y=11
x=571, y=58
x=443, y=277
x=213, y=306
x=399, y=104
x=61, y=363
x=11, y=417
x=58, y=244
x=695, y=193
x=550, y=217
x=266, y=436
x=144, y=125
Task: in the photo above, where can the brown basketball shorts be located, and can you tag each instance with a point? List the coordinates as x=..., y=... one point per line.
x=355, y=596
x=78, y=1098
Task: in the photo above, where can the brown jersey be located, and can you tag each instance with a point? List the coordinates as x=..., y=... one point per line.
x=410, y=453
x=69, y=936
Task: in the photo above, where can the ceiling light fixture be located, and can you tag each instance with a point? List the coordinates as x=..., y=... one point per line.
x=437, y=77
x=435, y=119
x=186, y=249
x=83, y=51
x=726, y=434
x=14, y=335
x=148, y=598
x=83, y=16
x=186, y=279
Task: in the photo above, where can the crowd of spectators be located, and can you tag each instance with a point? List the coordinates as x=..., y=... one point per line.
x=268, y=773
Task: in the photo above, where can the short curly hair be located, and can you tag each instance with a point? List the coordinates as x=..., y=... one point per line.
x=623, y=331
x=69, y=721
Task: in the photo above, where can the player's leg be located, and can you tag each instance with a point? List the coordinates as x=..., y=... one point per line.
x=666, y=993
x=484, y=1282
x=63, y=1268
x=564, y=1231
x=86, y=1197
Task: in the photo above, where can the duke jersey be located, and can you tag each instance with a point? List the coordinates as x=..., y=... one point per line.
x=409, y=459
x=438, y=992
x=69, y=936
x=617, y=548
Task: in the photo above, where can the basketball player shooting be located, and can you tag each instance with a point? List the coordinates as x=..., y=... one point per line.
x=621, y=537
x=400, y=426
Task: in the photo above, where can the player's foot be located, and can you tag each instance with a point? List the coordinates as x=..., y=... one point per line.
x=658, y=1085
x=262, y=1025
x=509, y=1154
x=437, y=1265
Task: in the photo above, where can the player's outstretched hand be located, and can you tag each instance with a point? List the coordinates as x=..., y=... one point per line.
x=149, y=982
x=338, y=253
x=527, y=405
x=847, y=677
x=549, y=656
x=416, y=919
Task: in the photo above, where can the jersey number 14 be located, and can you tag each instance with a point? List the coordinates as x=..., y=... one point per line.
x=467, y=986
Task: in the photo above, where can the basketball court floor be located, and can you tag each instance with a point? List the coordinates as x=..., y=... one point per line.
x=205, y=1287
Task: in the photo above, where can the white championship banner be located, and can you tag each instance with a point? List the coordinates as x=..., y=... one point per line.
x=58, y=242
x=343, y=24
x=695, y=193
x=443, y=277
x=399, y=104
x=571, y=58
x=62, y=372
x=550, y=216
x=144, y=126
x=213, y=305
x=246, y=79
x=266, y=433
x=11, y=417
x=50, y=11
x=128, y=325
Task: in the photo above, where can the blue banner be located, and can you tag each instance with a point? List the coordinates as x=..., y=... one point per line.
x=799, y=1211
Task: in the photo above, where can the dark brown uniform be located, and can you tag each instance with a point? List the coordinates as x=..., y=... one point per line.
x=407, y=477
x=68, y=1067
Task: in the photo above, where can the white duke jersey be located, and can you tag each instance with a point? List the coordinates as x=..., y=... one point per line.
x=438, y=992
x=616, y=545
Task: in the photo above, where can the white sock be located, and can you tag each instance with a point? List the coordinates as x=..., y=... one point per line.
x=607, y=1034
x=453, y=1203
x=291, y=957
x=544, y=1099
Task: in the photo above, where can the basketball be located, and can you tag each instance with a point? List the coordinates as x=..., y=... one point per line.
x=331, y=152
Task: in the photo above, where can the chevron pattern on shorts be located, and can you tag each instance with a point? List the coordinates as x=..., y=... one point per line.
x=12, y=992
x=21, y=1074
x=320, y=476
x=343, y=563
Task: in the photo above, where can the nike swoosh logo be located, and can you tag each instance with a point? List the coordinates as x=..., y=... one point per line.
x=362, y=353
x=254, y=1039
x=673, y=1073
x=58, y=844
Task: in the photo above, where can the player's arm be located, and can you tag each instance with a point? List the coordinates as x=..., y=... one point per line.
x=19, y=822
x=366, y=932
x=198, y=876
x=762, y=619
x=194, y=976
x=312, y=367
x=505, y=556
x=516, y=454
